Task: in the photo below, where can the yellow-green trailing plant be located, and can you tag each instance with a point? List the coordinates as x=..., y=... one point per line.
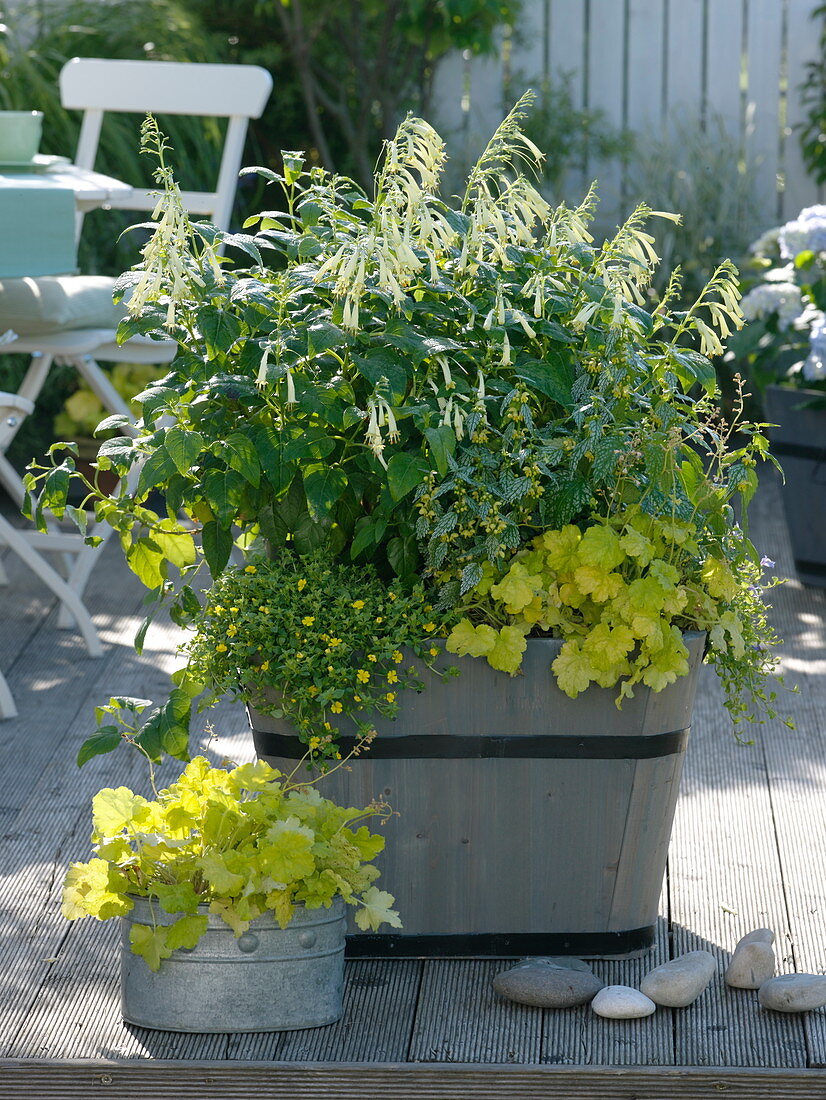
x=236, y=843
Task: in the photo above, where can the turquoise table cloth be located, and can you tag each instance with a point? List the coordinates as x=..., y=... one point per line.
x=37, y=227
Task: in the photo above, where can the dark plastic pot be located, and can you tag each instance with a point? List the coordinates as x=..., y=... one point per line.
x=529, y=823
x=799, y=443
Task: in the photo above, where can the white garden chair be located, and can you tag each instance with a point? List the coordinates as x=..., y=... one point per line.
x=95, y=86
x=73, y=318
x=28, y=545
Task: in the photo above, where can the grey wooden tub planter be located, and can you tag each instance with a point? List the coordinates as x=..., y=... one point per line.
x=269, y=979
x=529, y=823
x=799, y=443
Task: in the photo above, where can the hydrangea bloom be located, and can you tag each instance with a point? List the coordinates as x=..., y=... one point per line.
x=806, y=233
x=814, y=367
x=784, y=299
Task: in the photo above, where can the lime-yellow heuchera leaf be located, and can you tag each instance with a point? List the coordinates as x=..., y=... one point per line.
x=606, y=647
x=150, y=944
x=113, y=808
x=187, y=931
x=600, y=546
x=572, y=669
x=465, y=639
x=375, y=909
x=506, y=654
x=562, y=548
x=718, y=579
x=595, y=582
x=95, y=888
x=517, y=588
x=667, y=663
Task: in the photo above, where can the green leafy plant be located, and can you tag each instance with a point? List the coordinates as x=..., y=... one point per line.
x=237, y=844
x=784, y=342
x=427, y=388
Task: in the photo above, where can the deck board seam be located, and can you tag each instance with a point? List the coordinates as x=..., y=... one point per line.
x=414, y=1015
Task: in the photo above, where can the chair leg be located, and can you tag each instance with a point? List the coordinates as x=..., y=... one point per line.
x=7, y=707
x=98, y=381
x=16, y=540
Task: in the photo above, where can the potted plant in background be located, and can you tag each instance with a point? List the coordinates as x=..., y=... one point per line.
x=782, y=349
x=450, y=435
x=231, y=888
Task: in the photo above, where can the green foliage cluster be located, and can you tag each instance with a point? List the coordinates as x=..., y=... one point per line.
x=426, y=387
x=237, y=844
x=313, y=641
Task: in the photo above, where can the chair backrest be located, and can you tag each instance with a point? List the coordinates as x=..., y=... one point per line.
x=236, y=92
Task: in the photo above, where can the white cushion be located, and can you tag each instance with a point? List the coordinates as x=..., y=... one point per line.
x=54, y=303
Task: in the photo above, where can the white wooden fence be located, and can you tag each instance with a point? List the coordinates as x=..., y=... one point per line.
x=647, y=63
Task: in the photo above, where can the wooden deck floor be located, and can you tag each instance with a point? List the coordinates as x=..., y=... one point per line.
x=748, y=850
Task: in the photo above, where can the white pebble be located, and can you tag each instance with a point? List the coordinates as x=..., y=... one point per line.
x=622, y=1002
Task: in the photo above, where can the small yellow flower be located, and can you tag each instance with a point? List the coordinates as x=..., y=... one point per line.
x=363, y=675
x=217, y=609
x=250, y=569
x=336, y=707
x=391, y=595
x=302, y=584
x=220, y=648
x=430, y=626
x=232, y=630
x=312, y=690
x=372, y=657
x=397, y=657
x=233, y=609
x=392, y=676
x=327, y=726
x=357, y=604
x=299, y=656
x=308, y=620
x=264, y=666
x=434, y=651
x=338, y=756
x=379, y=619
x=315, y=742
x=390, y=697
x=357, y=698
x=263, y=608
x=335, y=641
x=330, y=668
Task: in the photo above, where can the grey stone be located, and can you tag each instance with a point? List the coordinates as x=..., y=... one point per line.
x=559, y=962
x=680, y=982
x=794, y=992
x=546, y=986
x=759, y=935
x=621, y=1002
x=752, y=964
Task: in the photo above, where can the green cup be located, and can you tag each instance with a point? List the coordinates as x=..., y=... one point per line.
x=19, y=136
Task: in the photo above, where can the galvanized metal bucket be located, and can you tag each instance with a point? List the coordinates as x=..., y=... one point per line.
x=269, y=979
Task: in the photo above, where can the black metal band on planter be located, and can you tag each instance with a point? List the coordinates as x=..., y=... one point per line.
x=501, y=945
x=451, y=747
x=799, y=450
